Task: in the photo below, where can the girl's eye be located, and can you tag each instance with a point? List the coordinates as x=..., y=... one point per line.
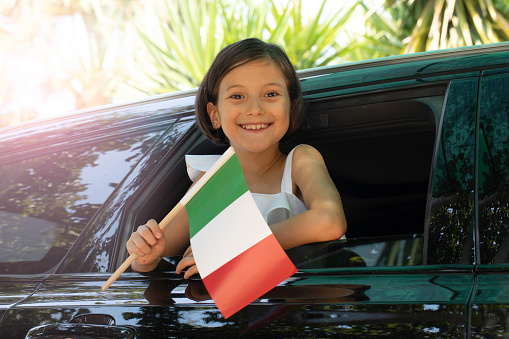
x=236, y=96
x=272, y=94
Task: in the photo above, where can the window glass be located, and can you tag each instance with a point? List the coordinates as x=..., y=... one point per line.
x=140, y=196
x=378, y=149
x=494, y=170
x=379, y=156
x=451, y=210
x=47, y=200
x=403, y=250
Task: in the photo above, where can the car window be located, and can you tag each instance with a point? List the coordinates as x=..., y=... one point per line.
x=494, y=170
x=403, y=163
x=46, y=200
x=378, y=148
x=450, y=219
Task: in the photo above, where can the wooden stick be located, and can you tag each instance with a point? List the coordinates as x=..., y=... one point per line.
x=169, y=217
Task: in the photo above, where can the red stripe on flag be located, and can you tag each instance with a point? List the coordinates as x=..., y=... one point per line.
x=249, y=275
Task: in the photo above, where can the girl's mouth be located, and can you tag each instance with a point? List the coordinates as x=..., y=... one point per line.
x=254, y=126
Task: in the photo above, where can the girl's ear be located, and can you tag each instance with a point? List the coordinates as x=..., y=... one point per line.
x=213, y=115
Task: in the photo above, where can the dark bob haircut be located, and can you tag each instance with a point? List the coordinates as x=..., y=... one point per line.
x=233, y=56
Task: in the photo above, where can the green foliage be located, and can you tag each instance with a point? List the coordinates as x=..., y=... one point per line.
x=191, y=33
x=188, y=39
x=423, y=25
x=313, y=44
x=383, y=35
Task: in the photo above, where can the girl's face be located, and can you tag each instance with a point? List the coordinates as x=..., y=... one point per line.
x=253, y=106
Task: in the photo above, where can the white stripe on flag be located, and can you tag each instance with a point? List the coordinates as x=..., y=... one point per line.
x=231, y=232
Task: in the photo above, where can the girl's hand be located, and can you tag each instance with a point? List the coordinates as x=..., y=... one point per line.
x=187, y=261
x=148, y=242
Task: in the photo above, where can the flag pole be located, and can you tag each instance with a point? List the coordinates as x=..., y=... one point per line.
x=169, y=217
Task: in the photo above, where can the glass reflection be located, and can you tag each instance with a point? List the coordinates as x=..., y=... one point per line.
x=388, y=251
x=46, y=201
x=451, y=216
x=95, y=249
x=494, y=170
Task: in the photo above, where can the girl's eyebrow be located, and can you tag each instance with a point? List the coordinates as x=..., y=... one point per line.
x=233, y=86
x=267, y=84
x=274, y=84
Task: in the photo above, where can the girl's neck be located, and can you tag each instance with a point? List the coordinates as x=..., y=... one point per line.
x=263, y=170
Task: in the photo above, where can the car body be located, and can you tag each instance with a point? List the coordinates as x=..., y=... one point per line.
x=417, y=146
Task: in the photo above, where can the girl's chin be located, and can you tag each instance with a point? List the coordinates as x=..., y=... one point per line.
x=254, y=148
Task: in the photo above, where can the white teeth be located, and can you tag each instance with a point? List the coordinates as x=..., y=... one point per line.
x=256, y=127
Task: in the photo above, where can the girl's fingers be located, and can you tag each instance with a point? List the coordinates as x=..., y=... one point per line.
x=185, y=262
x=188, y=252
x=132, y=248
x=144, y=239
x=190, y=264
x=147, y=234
x=154, y=227
x=191, y=271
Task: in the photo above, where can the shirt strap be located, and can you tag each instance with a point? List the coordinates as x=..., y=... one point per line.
x=286, y=182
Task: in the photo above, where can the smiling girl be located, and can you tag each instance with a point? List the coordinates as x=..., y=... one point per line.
x=251, y=99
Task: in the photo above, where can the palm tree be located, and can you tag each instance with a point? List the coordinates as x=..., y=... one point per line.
x=190, y=33
x=423, y=25
x=314, y=42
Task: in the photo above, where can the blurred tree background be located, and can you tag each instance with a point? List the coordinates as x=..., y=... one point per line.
x=57, y=56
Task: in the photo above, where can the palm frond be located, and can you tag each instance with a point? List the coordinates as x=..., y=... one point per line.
x=441, y=24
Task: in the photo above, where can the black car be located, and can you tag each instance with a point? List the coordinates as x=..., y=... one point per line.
x=417, y=145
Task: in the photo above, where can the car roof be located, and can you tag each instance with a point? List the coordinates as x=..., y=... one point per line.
x=395, y=68
x=450, y=53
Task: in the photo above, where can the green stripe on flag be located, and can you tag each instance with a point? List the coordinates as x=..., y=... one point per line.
x=223, y=188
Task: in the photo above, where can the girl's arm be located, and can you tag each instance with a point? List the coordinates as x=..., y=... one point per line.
x=325, y=220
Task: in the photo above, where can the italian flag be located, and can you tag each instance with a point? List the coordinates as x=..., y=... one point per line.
x=238, y=257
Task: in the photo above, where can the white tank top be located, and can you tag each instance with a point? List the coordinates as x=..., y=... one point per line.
x=274, y=207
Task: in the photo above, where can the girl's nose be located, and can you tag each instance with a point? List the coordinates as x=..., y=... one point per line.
x=255, y=106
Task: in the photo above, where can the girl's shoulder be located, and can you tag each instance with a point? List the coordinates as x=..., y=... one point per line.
x=307, y=163
x=303, y=154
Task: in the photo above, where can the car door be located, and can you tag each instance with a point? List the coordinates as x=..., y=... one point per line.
x=490, y=305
